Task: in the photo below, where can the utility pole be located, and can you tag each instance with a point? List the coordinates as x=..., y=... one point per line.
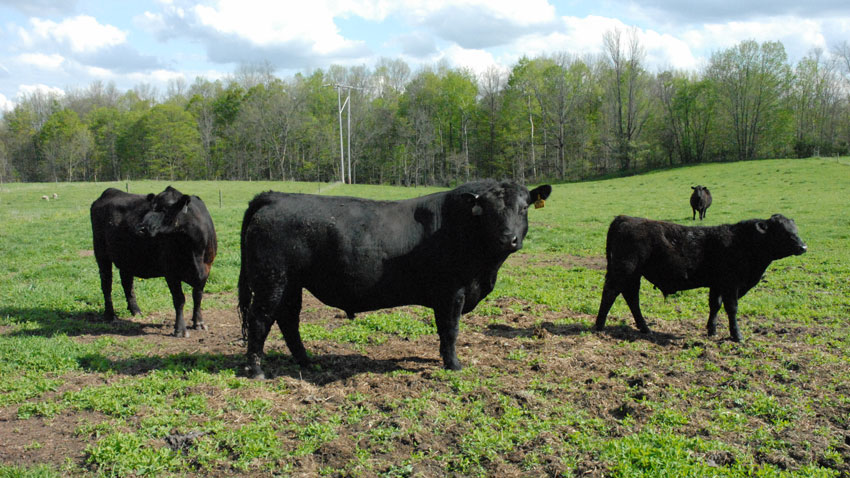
x=341, y=106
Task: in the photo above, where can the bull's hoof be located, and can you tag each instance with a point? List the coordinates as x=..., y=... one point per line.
x=135, y=312
x=182, y=334
x=453, y=365
x=736, y=338
x=599, y=328
x=644, y=330
x=711, y=332
x=199, y=326
x=256, y=375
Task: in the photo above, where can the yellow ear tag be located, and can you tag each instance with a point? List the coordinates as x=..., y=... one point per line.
x=539, y=203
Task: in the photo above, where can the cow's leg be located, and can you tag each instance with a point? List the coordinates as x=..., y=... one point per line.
x=288, y=316
x=197, y=297
x=129, y=292
x=694, y=215
x=178, y=299
x=631, y=292
x=609, y=295
x=260, y=319
x=730, y=303
x=714, y=301
x=447, y=318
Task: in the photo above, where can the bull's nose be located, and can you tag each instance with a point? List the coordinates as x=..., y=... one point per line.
x=803, y=249
x=514, y=242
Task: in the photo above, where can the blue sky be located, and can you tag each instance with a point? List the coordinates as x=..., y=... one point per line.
x=60, y=45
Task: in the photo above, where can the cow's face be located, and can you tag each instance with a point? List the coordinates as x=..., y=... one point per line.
x=503, y=214
x=781, y=237
x=167, y=209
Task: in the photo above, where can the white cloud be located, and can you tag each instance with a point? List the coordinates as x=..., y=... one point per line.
x=796, y=34
x=5, y=104
x=476, y=60
x=83, y=34
x=280, y=23
x=26, y=90
x=41, y=60
x=156, y=76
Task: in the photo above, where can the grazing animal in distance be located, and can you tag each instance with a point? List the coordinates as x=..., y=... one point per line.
x=45, y=198
x=728, y=259
x=168, y=235
x=442, y=251
x=700, y=201
x=55, y=196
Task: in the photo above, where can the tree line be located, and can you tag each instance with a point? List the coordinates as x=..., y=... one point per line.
x=551, y=117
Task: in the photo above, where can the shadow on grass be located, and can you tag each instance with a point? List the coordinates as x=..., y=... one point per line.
x=60, y=322
x=326, y=368
x=620, y=332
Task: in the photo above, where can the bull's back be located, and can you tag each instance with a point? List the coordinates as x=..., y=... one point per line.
x=350, y=253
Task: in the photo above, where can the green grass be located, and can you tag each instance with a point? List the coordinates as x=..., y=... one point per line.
x=540, y=395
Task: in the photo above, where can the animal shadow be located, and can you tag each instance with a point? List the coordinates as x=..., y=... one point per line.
x=51, y=322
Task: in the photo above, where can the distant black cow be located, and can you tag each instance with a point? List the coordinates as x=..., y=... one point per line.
x=167, y=235
x=700, y=200
x=441, y=251
x=728, y=259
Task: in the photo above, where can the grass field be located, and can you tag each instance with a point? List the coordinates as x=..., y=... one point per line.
x=541, y=394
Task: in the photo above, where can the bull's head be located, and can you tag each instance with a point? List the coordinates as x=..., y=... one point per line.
x=167, y=209
x=502, y=213
x=779, y=236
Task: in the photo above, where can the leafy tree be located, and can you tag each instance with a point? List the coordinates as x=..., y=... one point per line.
x=64, y=144
x=751, y=80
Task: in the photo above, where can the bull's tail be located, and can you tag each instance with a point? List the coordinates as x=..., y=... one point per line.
x=246, y=293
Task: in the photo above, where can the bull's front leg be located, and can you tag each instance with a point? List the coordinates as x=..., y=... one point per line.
x=447, y=318
x=178, y=299
x=197, y=297
x=730, y=303
x=714, y=301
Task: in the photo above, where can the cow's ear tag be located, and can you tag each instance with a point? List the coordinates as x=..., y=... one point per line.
x=540, y=202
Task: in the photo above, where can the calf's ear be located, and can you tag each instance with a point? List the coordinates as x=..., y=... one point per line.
x=761, y=227
x=538, y=195
x=150, y=197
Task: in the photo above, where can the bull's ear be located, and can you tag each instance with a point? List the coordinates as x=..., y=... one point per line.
x=694, y=188
x=471, y=200
x=761, y=227
x=150, y=197
x=183, y=203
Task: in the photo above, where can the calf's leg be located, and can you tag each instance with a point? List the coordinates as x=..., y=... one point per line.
x=178, y=299
x=104, y=266
x=609, y=295
x=714, y=302
x=631, y=292
x=288, y=319
x=129, y=292
x=447, y=318
x=197, y=297
x=730, y=303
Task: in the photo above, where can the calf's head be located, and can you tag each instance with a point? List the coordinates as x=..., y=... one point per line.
x=167, y=210
x=778, y=235
x=502, y=214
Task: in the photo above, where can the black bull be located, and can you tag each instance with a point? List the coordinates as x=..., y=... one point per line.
x=728, y=259
x=441, y=251
x=167, y=235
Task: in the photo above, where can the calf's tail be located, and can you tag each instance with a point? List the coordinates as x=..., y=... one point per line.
x=246, y=294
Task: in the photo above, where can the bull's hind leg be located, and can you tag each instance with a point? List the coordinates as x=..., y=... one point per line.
x=288, y=318
x=730, y=303
x=609, y=295
x=178, y=299
x=129, y=292
x=714, y=302
x=631, y=292
x=197, y=297
x=260, y=319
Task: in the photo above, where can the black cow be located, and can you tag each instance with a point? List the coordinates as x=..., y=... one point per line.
x=700, y=200
x=728, y=259
x=167, y=235
x=441, y=251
